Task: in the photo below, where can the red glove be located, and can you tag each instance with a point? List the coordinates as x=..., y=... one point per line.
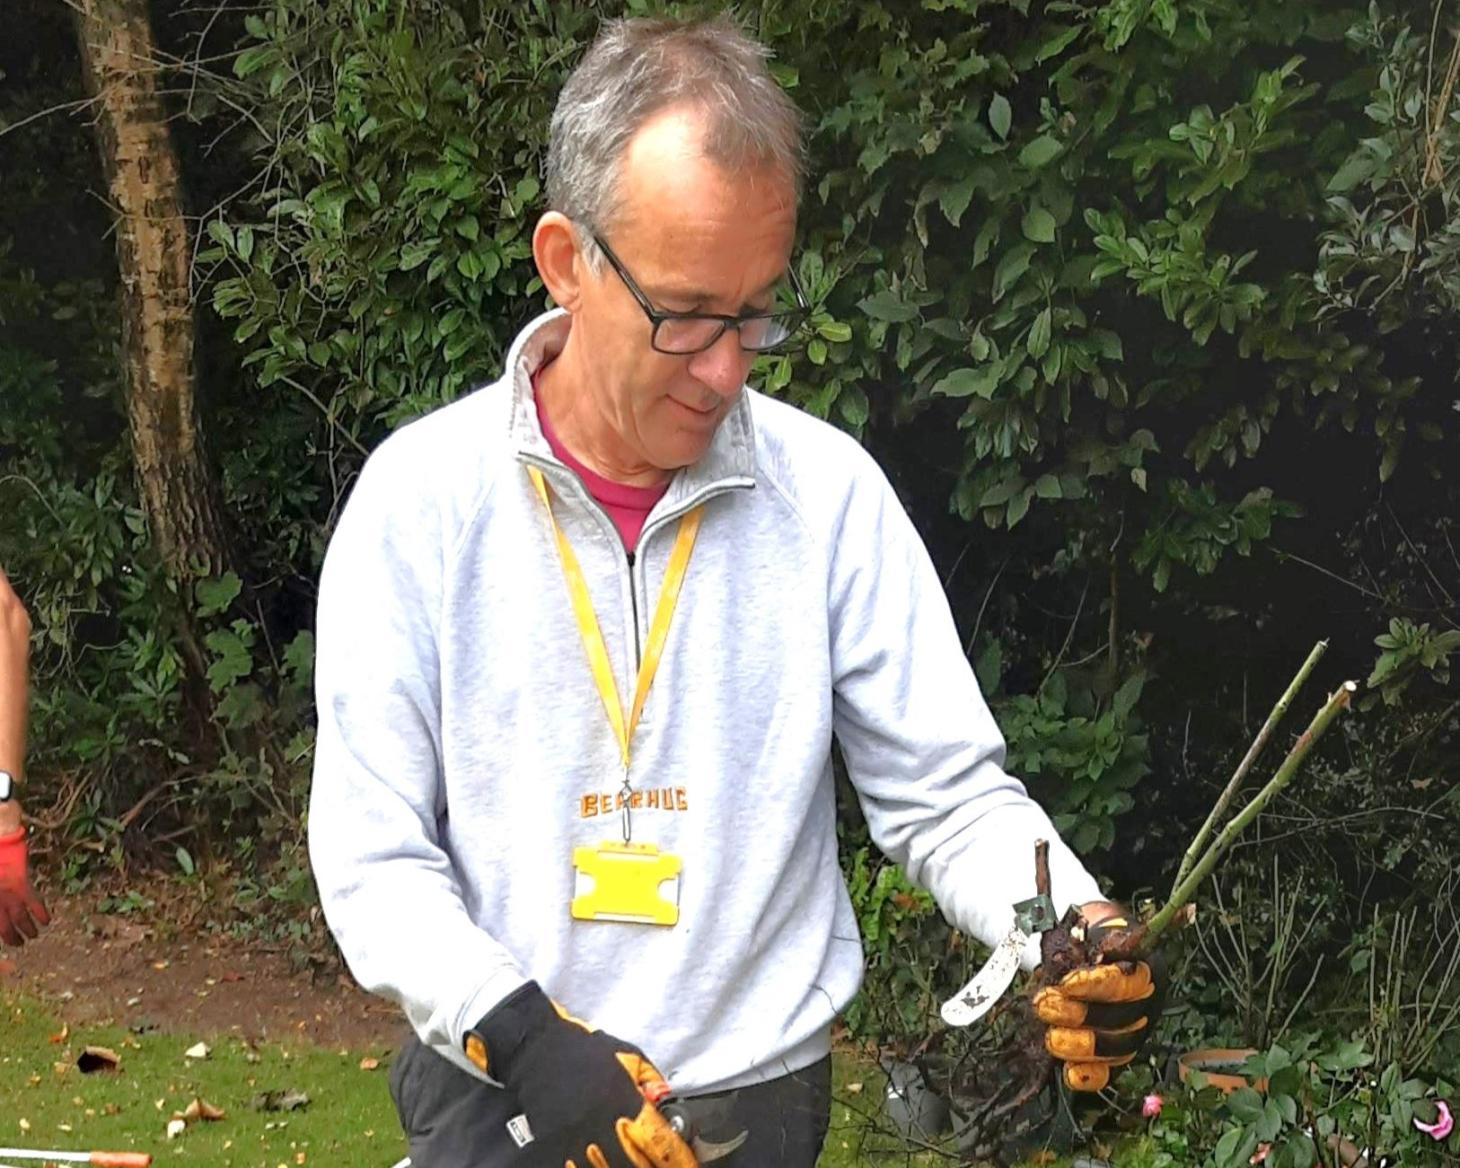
x=21, y=911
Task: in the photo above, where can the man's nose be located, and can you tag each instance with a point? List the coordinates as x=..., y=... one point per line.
x=723, y=366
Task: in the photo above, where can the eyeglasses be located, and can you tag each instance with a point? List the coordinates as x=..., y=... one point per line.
x=681, y=333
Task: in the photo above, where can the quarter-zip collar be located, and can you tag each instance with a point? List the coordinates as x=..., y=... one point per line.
x=727, y=464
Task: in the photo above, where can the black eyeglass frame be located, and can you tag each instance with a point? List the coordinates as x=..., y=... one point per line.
x=796, y=317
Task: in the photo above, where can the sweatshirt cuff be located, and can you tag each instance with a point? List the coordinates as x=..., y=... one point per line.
x=486, y=998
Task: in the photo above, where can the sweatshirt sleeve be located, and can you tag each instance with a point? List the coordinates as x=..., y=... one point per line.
x=921, y=746
x=387, y=888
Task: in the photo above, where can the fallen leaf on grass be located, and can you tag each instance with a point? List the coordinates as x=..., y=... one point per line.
x=97, y=1058
x=61, y=1035
x=279, y=1101
x=853, y=1088
x=198, y=1109
x=199, y=1050
x=176, y=1127
x=369, y=1064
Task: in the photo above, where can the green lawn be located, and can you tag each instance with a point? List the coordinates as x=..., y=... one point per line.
x=47, y=1103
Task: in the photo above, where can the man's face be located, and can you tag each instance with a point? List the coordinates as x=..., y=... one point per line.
x=695, y=238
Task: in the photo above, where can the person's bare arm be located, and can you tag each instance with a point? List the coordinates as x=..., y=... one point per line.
x=22, y=914
x=14, y=693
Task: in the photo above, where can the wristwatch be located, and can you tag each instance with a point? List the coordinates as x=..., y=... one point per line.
x=7, y=786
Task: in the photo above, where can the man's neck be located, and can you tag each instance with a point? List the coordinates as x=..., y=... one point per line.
x=580, y=425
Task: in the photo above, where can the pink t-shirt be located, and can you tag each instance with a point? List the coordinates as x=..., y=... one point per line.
x=628, y=506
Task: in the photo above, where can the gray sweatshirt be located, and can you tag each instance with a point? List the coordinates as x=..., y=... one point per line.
x=464, y=751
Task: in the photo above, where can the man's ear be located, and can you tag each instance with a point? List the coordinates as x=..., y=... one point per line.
x=559, y=261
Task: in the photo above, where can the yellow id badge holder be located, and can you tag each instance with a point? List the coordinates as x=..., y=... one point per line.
x=636, y=883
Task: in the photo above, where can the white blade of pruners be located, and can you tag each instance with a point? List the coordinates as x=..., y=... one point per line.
x=977, y=998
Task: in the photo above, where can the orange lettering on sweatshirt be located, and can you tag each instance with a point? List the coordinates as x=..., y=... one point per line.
x=595, y=806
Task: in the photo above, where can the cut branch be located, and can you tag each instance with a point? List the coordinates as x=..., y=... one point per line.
x=1259, y=744
x=1336, y=704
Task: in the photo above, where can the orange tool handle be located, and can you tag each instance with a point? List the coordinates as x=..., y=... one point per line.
x=121, y=1159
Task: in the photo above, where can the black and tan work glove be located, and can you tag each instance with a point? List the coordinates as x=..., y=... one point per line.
x=1099, y=1015
x=585, y=1093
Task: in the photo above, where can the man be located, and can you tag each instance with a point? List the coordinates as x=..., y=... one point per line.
x=585, y=638
x=21, y=912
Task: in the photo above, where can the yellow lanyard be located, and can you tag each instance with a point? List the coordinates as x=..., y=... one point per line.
x=598, y=662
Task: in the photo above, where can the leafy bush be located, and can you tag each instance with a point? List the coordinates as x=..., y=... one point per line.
x=1314, y=1096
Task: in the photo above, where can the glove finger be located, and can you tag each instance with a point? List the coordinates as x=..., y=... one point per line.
x=1057, y=1009
x=15, y=922
x=37, y=908
x=1089, y=1076
x=1121, y=981
x=578, y=1022
x=1081, y=1044
x=21, y=916
x=646, y=1075
x=650, y=1142
x=1119, y=1015
x=596, y=1158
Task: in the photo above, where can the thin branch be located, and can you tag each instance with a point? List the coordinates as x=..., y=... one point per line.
x=1259, y=744
x=63, y=107
x=1070, y=636
x=1336, y=704
x=978, y=620
x=1359, y=588
x=326, y=411
x=1423, y=560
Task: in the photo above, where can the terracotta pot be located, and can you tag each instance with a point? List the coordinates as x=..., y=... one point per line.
x=1222, y=1066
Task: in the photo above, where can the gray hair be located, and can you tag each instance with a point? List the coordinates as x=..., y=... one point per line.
x=639, y=67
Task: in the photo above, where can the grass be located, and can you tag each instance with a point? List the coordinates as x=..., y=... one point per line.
x=47, y=1103
x=858, y=1134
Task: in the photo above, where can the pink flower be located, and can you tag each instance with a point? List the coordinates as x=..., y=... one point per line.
x=1442, y=1127
x=1261, y=1154
x=1151, y=1106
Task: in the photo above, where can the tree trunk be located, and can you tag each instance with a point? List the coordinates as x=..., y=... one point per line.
x=119, y=61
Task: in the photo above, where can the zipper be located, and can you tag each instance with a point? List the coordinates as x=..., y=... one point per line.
x=555, y=470
x=634, y=606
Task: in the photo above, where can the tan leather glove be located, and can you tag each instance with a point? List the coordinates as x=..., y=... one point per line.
x=1099, y=1015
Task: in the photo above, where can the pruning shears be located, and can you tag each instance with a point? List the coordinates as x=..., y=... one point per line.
x=704, y=1124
